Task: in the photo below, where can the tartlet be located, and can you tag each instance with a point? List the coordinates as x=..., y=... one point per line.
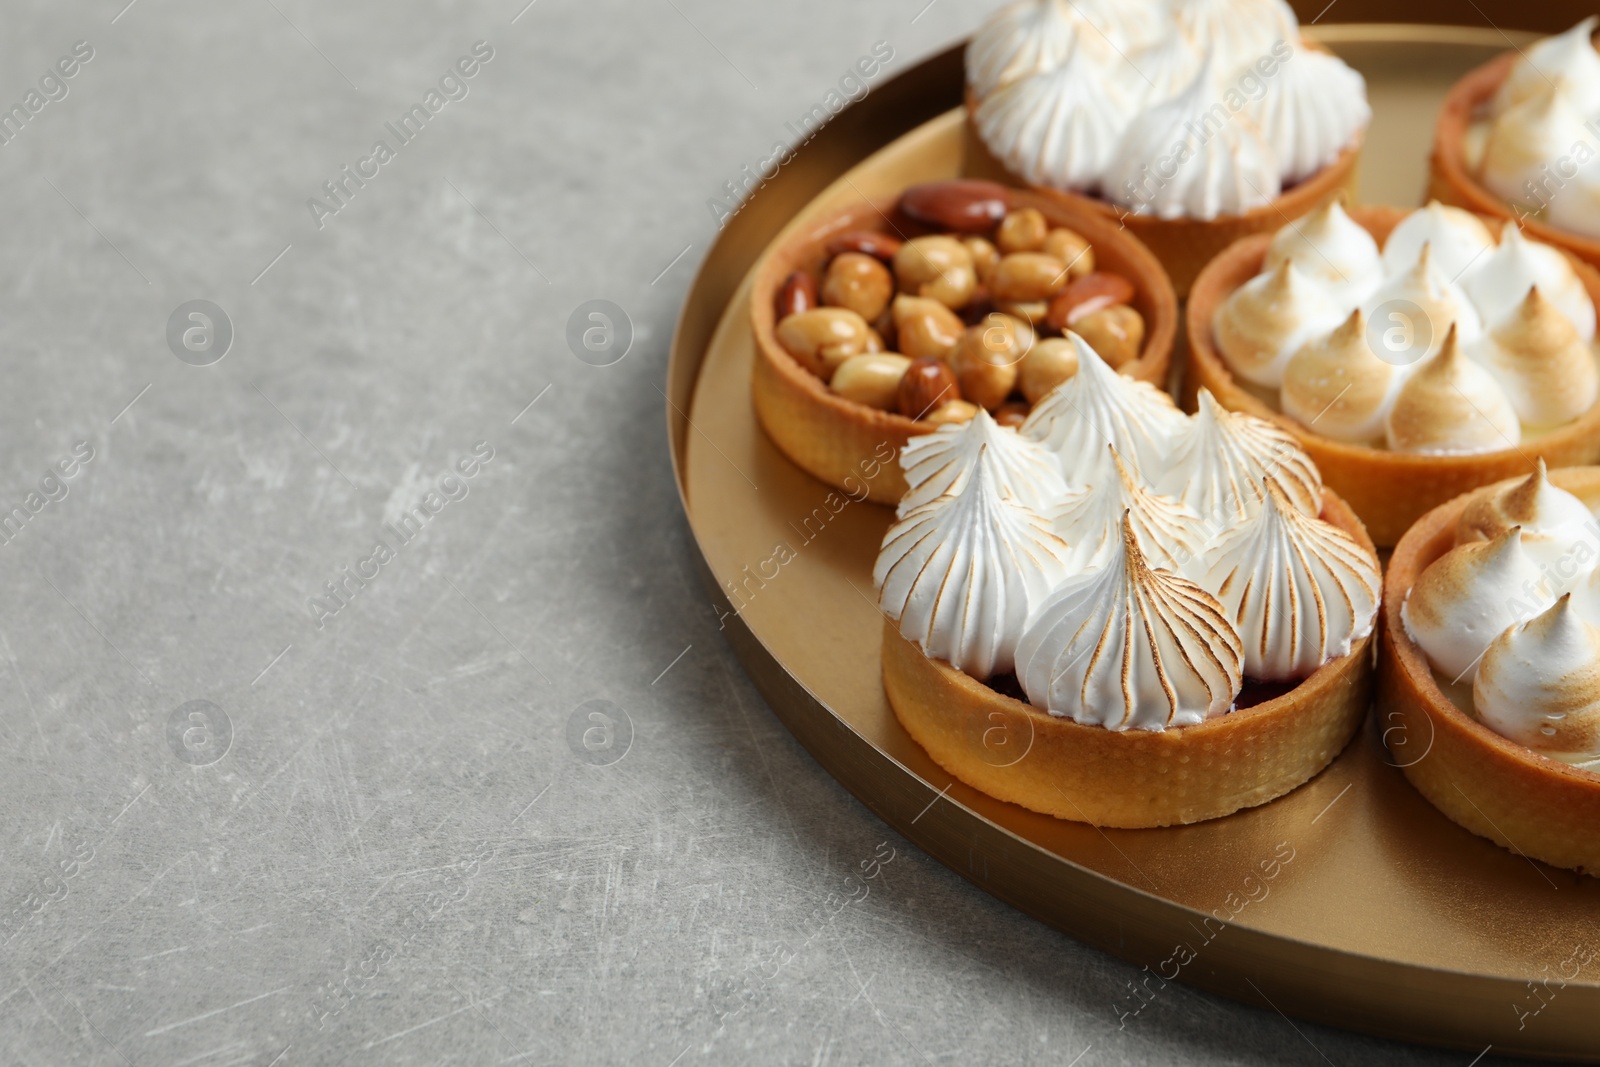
x=1132, y=779
x=1451, y=179
x=1184, y=246
x=1389, y=490
x=1500, y=790
x=848, y=444
x=1192, y=122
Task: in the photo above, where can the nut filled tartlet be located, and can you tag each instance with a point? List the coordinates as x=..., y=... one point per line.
x=1193, y=122
x=1490, y=663
x=1519, y=138
x=1414, y=355
x=887, y=320
x=1164, y=634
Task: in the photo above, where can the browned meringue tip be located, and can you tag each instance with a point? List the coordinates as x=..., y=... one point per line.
x=1352, y=327
x=1449, y=353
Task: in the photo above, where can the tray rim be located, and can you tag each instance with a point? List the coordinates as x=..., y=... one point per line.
x=1373, y=995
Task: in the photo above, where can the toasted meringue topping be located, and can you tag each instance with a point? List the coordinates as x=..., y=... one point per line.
x=1332, y=248
x=1527, y=137
x=1130, y=647
x=1568, y=57
x=1299, y=590
x=1427, y=289
x=1339, y=387
x=1165, y=69
x=1547, y=371
x=1575, y=207
x=1559, y=533
x=1502, y=280
x=1239, y=32
x=941, y=462
x=1091, y=518
x=1226, y=173
x=1219, y=465
x=1458, y=241
x=1312, y=110
x=1057, y=128
x=1539, y=685
x=962, y=573
x=1267, y=319
x=1096, y=407
x=1450, y=406
x=1027, y=38
x=1466, y=597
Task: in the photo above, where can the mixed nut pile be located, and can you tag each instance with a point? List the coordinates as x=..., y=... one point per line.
x=969, y=315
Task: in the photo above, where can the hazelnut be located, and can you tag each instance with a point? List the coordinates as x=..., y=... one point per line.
x=1023, y=230
x=858, y=282
x=985, y=257
x=872, y=380
x=925, y=328
x=1048, y=364
x=1070, y=248
x=1115, y=333
x=940, y=268
x=985, y=362
x=952, y=411
x=926, y=384
x=1023, y=277
x=823, y=338
x=1012, y=414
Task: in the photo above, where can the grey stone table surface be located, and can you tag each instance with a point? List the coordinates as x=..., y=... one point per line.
x=273, y=794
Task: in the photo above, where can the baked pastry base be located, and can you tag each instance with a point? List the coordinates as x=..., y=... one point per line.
x=1451, y=181
x=849, y=445
x=1516, y=798
x=1136, y=778
x=1389, y=490
x=1184, y=246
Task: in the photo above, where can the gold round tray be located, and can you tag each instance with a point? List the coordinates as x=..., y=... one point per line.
x=1350, y=901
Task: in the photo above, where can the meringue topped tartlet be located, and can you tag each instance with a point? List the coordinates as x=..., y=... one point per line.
x=1490, y=663
x=1170, y=632
x=1415, y=355
x=892, y=317
x=1193, y=122
x=1519, y=138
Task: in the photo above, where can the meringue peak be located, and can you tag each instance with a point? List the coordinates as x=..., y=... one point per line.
x=1458, y=240
x=1130, y=646
x=1468, y=596
x=1539, y=684
x=1546, y=369
x=1090, y=518
x=1266, y=320
x=941, y=462
x=1330, y=247
x=1300, y=591
x=1502, y=279
x=1558, y=531
x=1451, y=405
x=1339, y=387
x=1224, y=457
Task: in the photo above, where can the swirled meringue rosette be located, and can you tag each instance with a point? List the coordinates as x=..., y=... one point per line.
x=1129, y=571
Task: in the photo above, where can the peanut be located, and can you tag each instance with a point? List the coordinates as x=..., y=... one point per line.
x=1048, y=364
x=952, y=411
x=1115, y=333
x=823, y=338
x=1070, y=248
x=1024, y=277
x=985, y=362
x=985, y=257
x=925, y=328
x=937, y=267
x=926, y=384
x=858, y=282
x=871, y=380
x=1022, y=231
